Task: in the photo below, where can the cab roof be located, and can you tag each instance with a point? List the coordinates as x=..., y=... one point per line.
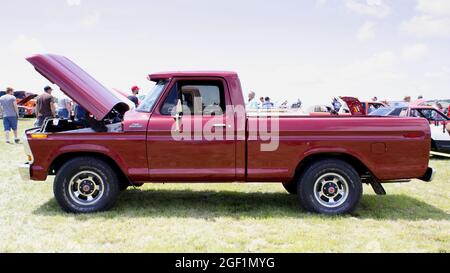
x=172, y=74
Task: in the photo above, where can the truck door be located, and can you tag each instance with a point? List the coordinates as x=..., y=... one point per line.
x=200, y=149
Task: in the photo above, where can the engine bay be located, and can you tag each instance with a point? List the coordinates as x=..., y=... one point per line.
x=112, y=123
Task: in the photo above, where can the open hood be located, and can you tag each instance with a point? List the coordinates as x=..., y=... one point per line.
x=79, y=85
x=354, y=105
x=27, y=99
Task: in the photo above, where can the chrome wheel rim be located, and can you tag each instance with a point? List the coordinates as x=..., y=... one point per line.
x=86, y=188
x=331, y=190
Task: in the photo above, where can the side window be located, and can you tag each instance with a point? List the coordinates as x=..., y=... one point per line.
x=399, y=112
x=415, y=113
x=170, y=102
x=432, y=115
x=197, y=97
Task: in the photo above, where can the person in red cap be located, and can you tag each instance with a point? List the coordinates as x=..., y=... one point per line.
x=135, y=90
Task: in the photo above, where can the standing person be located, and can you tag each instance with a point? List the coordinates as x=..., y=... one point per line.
x=375, y=99
x=407, y=99
x=10, y=114
x=135, y=91
x=297, y=105
x=252, y=101
x=336, y=105
x=439, y=107
x=64, y=107
x=267, y=103
x=45, y=106
x=80, y=113
x=419, y=100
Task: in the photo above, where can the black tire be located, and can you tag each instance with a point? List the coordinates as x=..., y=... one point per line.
x=97, y=170
x=124, y=185
x=291, y=187
x=329, y=169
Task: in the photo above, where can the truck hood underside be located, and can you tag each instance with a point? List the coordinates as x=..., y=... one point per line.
x=79, y=85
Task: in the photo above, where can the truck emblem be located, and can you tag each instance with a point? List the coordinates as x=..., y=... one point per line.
x=135, y=126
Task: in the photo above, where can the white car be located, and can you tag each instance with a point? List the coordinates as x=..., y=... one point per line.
x=439, y=124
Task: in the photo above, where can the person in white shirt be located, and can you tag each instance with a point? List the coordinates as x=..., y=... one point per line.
x=252, y=103
x=64, y=107
x=10, y=114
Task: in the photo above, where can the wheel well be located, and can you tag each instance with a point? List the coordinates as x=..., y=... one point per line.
x=60, y=160
x=360, y=167
x=433, y=145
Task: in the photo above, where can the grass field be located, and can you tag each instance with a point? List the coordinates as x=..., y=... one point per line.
x=413, y=217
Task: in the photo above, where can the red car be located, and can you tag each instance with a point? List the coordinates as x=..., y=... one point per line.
x=27, y=105
x=324, y=160
x=358, y=107
x=351, y=107
x=25, y=101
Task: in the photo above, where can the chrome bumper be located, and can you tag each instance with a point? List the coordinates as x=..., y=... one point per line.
x=24, y=171
x=429, y=175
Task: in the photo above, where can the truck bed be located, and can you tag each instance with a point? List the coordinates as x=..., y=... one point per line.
x=397, y=149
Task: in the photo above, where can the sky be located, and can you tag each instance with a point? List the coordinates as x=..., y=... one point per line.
x=308, y=49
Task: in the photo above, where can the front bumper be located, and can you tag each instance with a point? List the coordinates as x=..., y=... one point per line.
x=25, y=171
x=429, y=175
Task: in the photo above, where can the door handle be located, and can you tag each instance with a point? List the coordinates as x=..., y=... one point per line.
x=220, y=125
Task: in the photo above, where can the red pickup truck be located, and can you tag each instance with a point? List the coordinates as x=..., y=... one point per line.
x=324, y=160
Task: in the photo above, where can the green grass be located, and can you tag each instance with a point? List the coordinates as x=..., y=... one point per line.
x=413, y=217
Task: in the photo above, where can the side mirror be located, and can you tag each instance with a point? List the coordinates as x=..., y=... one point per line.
x=178, y=114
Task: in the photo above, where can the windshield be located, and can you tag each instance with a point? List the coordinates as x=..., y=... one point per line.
x=384, y=111
x=149, y=101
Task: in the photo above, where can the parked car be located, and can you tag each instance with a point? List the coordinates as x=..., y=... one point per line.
x=25, y=101
x=324, y=160
x=27, y=106
x=370, y=106
x=440, y=135
x=349, y=106
x=444, y=103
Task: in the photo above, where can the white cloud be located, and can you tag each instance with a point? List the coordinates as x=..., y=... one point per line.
x=366, y=32
x=427, y=26
x=443, y=73
x=433, y=20
x=375, y=8
x=321, y=3
x=25, y=46
x=415, y=52
x=91, y=20
x=435, y=7
x=73, y=3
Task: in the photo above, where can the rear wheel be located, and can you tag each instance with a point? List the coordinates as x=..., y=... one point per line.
x=86, y=185
x=329, y=187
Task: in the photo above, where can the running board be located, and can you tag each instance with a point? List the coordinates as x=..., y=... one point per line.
x=440, y=154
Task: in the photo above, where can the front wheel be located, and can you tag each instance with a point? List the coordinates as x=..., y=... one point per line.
x=86, y=185
x=329, y=187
